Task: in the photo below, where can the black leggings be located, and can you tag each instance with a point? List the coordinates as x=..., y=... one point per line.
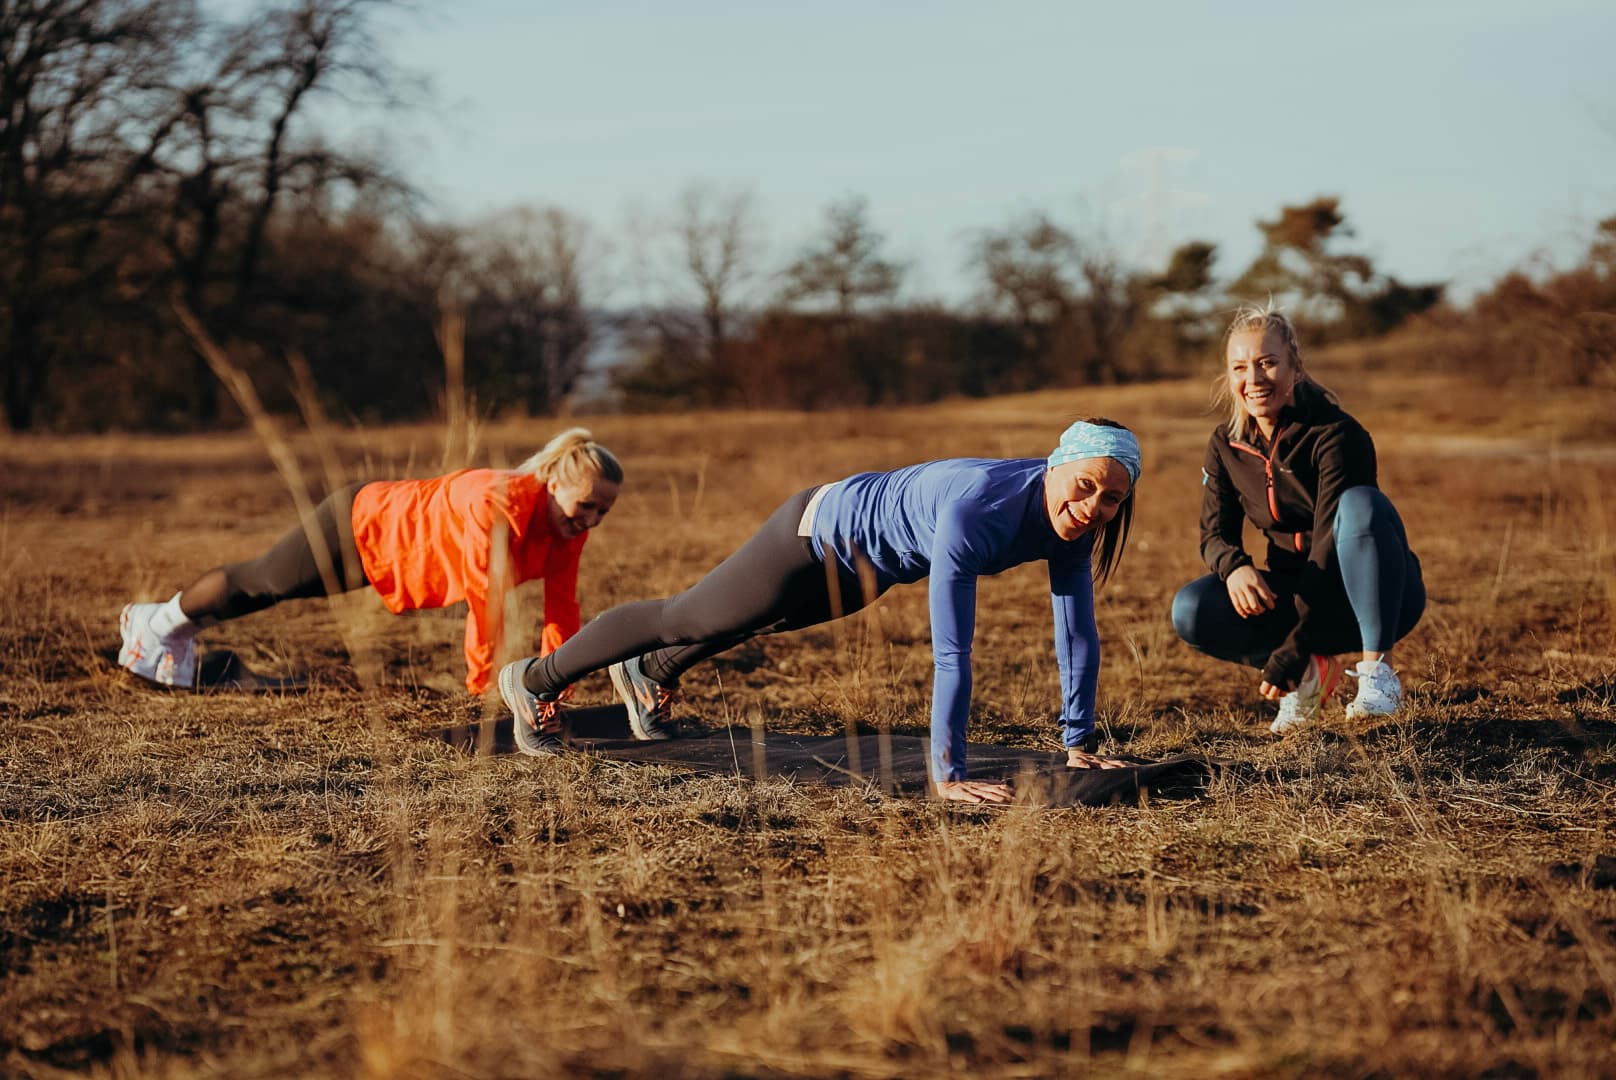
x=288, y=571
x=774, y=582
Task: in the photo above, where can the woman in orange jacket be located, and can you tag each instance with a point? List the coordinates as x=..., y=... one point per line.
x=419, y=544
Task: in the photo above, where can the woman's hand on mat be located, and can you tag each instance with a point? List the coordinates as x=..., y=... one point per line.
x=976, y=791
x=1082, y=759
x=1249, y=592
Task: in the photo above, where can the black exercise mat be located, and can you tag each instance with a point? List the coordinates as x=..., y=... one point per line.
x=835, y=759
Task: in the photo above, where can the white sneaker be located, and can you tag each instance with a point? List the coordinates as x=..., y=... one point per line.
x=168, y=661
x=1301, y=706
x=1379, y=691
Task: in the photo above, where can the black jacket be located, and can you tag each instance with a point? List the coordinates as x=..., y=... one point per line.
x=1289, y=490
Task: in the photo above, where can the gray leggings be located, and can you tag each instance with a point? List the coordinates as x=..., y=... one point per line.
x=288, y=571
x=774, y=582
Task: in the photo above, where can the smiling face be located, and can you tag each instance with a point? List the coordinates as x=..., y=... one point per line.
x=1262, y=374
x=577, y=506
x=1084, y=495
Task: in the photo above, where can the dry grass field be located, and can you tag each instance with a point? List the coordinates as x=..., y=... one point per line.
x=302, y=885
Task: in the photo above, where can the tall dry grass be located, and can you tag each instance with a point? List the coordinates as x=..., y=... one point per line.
x=301, y=885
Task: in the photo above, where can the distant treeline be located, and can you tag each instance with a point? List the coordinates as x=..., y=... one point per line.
x=1556, y=328
x=154, y=159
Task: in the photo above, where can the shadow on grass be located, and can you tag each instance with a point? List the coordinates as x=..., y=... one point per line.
x=1597, y=692
x=223, y=671
x=1496, y=742
x=894, y=763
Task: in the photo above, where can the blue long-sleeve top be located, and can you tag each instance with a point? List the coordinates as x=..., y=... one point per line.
x=955, y=521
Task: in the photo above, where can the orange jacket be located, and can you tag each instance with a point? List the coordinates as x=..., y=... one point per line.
x=427, y=544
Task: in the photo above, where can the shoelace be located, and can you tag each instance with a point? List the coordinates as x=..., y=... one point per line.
x=550, y=717
x=661, y=713
x=1365, y=679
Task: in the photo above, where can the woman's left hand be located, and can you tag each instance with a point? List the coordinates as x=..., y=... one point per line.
x=1082, y=759
x=975, y=791
x=1270, y=691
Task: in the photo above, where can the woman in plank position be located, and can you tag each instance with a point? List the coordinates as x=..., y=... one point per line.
x=1341, y=577
x=951, y=521
x=419, y=544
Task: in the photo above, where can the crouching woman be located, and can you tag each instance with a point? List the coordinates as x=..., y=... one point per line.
x=1341, y=577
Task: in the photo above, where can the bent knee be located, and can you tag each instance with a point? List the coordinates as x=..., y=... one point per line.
x=1187, y=606
x=1358, y=509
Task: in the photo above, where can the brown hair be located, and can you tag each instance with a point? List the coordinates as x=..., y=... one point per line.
x=1114, y=533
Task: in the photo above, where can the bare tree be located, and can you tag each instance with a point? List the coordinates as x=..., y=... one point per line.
x=846, y=266
x=244, y=147
x=528, y=326
x=84, y=109
x=1177, y=314
x=718, y=238
x=1109, y=310
x=696, y=267
x=1030, y=272
x=842, y=271
x=1071, y=299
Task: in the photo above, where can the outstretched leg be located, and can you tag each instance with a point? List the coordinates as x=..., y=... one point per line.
x=159, y=639
x=773, y=583
x=290, y=570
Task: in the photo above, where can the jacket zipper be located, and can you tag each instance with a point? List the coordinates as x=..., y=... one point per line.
x=1268, y=477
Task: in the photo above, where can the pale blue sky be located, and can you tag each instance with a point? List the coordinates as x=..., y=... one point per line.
x=1464, y=137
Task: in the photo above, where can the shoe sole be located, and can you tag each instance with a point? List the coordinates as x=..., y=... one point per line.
x=1360, y=712
x=524, y=719
x=625, y=690
x=123, y=634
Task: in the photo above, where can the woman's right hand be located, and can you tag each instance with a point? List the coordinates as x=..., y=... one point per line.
x=973, y=791
x=1249, y=592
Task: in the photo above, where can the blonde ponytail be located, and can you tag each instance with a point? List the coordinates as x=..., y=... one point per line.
x=571, y=457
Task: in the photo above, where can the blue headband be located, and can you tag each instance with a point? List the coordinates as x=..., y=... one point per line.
x=1084, y=440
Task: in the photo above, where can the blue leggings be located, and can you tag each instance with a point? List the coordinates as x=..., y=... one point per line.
x=1380, y=573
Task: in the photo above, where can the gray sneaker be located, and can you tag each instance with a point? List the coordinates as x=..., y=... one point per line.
x=650, y=704
x=537, y=716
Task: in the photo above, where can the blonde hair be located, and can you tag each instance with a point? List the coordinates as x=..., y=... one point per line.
x=1268, y=319
x=573, y=456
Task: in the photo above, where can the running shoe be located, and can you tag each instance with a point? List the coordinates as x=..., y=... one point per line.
x=1379, y=691
x=168, y=661
x=1301, y=706
x=537, y=717
x=650, y=704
